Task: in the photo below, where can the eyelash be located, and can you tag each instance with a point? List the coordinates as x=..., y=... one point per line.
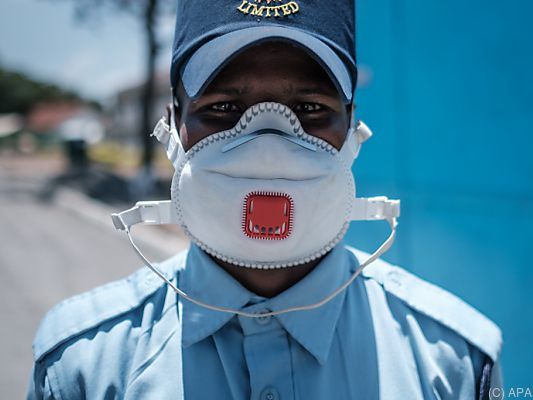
x=233, y=107
x=229, y=107
x=315, y=107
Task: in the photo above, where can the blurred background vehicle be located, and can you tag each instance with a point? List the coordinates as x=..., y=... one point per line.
x=445, y=86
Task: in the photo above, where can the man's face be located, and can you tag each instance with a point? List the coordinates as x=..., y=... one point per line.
x=275, y=72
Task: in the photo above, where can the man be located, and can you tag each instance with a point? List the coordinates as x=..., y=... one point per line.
x=261, y=136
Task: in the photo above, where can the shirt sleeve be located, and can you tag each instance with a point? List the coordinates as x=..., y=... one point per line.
x=39, y=384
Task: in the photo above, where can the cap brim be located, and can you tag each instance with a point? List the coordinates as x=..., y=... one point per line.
x=198, y=71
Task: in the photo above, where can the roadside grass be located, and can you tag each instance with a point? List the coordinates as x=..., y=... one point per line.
x=116, y=156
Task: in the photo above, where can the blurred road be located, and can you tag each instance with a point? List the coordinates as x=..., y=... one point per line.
x=50, y=250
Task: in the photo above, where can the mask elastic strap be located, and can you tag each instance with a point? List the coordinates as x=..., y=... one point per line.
x=358, y=133
x=159, y=212
x=167, y=134
x=168, y=137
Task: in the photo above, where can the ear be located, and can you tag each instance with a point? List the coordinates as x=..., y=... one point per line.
x=168, y=114
x=176, y=105
x=350, y=112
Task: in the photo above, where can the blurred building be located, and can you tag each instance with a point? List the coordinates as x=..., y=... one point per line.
x=126, y=109
x=45, y=117
x=66, y=121
x=10, y=123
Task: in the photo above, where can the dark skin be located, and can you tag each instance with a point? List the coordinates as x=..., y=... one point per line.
x=278, y=72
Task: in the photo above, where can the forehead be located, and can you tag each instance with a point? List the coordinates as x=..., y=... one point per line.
x=273, y=65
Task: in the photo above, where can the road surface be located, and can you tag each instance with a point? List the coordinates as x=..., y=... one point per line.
x=50, y=250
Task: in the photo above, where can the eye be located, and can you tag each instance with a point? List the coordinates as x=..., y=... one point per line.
x=224, y=107
x=308, y=108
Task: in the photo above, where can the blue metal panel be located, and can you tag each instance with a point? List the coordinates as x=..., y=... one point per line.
x=449, y=95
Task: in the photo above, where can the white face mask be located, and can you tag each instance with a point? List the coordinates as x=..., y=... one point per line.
x=264, y=194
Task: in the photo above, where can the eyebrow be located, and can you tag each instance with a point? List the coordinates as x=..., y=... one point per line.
x=229, y=91
x=313, y=91
x=290, y=90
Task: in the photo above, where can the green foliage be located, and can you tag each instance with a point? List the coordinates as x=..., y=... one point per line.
x=19, y=92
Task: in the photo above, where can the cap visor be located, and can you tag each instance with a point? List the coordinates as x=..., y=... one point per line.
x=210, y=58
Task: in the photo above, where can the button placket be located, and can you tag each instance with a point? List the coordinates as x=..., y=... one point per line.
x=268, y=356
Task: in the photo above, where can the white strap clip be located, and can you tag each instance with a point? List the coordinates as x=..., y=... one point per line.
x=375, y=208
x=145, y=212
x=162, y=131
x=363, y=132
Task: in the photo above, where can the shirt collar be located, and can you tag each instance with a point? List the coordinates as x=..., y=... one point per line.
x=204, y=280
x=313, y=329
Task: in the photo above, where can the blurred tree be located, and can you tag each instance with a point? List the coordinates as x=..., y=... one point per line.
x=18, y=92
x=147, y=11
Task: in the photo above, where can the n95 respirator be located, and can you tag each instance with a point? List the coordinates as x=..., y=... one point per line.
x=263, y=194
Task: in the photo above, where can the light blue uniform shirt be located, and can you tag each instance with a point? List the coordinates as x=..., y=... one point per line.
x=390, y=335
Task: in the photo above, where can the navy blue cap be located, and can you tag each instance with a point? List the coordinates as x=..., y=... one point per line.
x=211, y=32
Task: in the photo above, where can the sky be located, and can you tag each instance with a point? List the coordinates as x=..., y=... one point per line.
x=95, y=59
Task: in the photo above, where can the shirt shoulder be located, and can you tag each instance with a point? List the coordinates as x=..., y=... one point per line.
x=82, y=313
x=436, y=303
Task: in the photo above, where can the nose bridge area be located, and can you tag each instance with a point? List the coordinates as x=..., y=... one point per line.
x=273, y=149
x=262, y=133
x=268, y=119
x=266, y=157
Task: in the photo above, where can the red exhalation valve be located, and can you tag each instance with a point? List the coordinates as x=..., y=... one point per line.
x=267, y=215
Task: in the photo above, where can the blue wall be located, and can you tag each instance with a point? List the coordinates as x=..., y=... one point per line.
x=447, y=89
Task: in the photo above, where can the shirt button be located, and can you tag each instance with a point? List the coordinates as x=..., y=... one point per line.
x=269, y=394
x=263, y=320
